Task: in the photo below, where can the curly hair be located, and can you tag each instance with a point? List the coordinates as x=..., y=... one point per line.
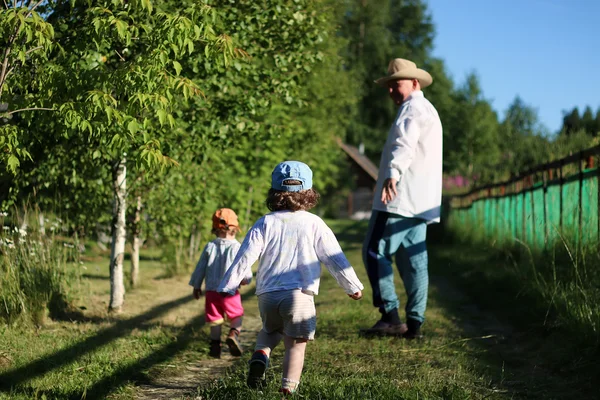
x=279, y=200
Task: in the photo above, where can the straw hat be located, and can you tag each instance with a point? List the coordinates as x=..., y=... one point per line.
x=400, y=68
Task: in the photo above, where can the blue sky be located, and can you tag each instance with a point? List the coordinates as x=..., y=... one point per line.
x=545, y=51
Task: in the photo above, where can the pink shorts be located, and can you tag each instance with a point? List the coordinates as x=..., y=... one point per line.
x=217, y=306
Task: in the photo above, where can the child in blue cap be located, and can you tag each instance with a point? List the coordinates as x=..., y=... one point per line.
x=291, y=244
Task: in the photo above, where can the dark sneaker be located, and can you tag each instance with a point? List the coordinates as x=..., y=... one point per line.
x=233, y=342
x=215, y=349
x=286, y=392
x=257, y=367
x=385, y=329
x=413, y=330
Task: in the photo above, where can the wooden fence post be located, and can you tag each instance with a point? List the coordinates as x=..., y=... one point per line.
x=560, y=199
x=524, y=219
x=545, y=191
x=580, y=230
x=531, y=192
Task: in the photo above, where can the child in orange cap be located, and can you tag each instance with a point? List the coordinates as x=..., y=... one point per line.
x=215, y=260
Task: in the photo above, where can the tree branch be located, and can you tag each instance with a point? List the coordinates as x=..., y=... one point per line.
x=33, y=8
x=5, y=5
x=3, y=72
x=28, y=109
x=32, y=50
x=120, y=56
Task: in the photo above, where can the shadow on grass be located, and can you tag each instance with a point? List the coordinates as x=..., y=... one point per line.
x=133, y=372
x=143, y=257
x=15, y=377
x=95, y=276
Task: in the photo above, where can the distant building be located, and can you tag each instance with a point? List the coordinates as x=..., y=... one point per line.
x=360, y=199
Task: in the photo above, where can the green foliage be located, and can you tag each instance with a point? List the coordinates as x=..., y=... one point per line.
x=26, y=39
x=573, y=122
x=523, y=139
x=280, y=100
x=474, y=149
x=376, y=33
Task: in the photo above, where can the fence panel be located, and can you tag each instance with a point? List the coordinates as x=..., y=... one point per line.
x=550, y=202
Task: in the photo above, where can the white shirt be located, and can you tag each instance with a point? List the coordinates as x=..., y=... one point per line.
x=291, y=247
x=216, y=258
x=412, y=155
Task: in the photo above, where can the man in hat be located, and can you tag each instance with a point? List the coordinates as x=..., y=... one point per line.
x=407, y=198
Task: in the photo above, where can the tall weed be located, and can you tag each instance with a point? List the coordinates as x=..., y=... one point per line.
x=36, y=273
x=565, y=276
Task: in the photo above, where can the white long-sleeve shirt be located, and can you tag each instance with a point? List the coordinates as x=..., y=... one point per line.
x=412, y=155
x=291, y=247
x=216, y=258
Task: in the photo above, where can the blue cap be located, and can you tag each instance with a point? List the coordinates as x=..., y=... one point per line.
x=295, y=170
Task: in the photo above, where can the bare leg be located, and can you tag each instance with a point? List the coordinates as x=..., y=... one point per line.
x=293, y=362
x=267, y=341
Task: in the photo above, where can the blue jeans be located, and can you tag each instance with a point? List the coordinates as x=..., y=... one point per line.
x=389, y=235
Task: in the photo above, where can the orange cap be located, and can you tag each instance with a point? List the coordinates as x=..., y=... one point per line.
x=223, y=218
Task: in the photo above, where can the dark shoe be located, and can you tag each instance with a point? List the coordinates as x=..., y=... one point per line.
x=413, y=330
x=286, y=392
x=385, y=329
x=215, y=349
x=233, y=342
x=257, y=367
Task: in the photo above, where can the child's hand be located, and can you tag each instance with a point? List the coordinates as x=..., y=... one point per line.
x=356, y=296
x=197, y=293
x=244, y=282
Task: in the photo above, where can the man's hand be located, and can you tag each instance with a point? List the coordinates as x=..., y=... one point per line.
x=197, y=293
x=389, y=192
x=356, y=296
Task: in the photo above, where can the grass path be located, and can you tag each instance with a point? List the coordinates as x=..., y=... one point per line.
x=157, y=349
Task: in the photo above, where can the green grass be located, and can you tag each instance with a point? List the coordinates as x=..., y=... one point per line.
x=552, y=298
x=467, y=352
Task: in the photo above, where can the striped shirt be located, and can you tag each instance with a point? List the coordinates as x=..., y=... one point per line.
x=291, y=247
x=216, y=258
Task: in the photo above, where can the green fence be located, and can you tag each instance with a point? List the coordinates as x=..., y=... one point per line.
x=550, y=202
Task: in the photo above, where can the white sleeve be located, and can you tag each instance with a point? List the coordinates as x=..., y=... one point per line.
x=200, y=271
x=406, y=133
x=231, y=257
x=241, y=268
x=330, y=253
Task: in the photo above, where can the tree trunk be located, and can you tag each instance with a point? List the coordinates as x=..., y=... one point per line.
x=137, y=242
x=117, y=250
x=42, y=223
x=248, y=207
x=180, y=252
x=192, y=249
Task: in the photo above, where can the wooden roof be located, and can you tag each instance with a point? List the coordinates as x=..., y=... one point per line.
x=362, y=160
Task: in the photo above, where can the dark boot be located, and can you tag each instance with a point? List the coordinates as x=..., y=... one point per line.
x=413, y=331
x=389, y=325
x=233, y=342
x=215, y=349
